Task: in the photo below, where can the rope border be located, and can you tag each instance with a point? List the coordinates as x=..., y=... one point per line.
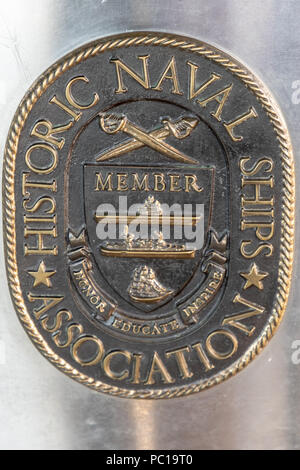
x=288, y=203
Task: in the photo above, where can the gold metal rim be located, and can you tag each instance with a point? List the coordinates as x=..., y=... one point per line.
x=288, y=202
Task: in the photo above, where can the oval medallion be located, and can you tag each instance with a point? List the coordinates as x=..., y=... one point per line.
x=149, y=205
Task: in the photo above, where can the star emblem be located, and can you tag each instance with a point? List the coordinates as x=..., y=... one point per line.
x=41, y=276
x=254, y=277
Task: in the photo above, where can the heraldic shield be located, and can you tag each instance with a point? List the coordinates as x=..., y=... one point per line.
x=151, y=208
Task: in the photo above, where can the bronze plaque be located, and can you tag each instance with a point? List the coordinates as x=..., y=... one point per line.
x=149, y=205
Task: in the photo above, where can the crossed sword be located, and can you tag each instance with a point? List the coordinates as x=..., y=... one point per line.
x=113, y=123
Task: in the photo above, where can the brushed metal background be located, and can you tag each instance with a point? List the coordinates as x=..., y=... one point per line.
x=41, y=408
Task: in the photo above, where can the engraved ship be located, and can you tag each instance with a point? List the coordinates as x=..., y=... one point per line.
x=145, y=287
x=131, y=247
x=150, y=212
